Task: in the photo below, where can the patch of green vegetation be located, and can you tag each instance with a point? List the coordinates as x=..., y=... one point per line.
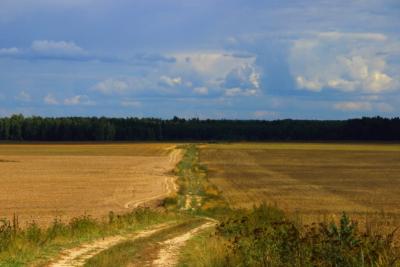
x=196, y=194
x=266, y=237
x=18, y=246
x=139, y=250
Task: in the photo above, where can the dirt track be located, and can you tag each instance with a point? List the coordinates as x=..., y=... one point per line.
x=169, y=184
x=166, y=254
x=169, y=253
x=79, y=255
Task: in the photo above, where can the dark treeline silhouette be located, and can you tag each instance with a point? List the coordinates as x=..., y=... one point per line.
x=18, y=127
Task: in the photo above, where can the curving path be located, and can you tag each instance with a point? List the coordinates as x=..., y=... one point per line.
x=168, y=255
x=79, y=255
x=169, y=184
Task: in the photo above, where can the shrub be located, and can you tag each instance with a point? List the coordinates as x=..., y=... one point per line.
x=265, y=237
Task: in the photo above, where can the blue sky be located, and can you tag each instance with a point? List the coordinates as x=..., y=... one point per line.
x=246, y=59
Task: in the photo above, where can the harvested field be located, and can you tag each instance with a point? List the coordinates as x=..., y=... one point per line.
x=309, y=179
x=41, y=181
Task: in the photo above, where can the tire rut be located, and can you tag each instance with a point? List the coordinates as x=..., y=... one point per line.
x=79, y=255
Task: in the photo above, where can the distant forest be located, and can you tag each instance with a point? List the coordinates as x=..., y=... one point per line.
x=18, y=127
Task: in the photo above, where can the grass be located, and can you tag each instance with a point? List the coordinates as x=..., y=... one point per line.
x=196, y=194
x=264, y=236
x=19, y=246
x=204, y=250
x=137, y=252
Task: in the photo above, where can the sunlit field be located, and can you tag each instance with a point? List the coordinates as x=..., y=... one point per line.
x=43, y=181
x=313, y=180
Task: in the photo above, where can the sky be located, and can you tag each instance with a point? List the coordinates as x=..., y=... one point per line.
x=232, y=59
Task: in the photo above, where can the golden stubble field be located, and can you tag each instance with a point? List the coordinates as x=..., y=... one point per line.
x=313, y=180
x=43, y=181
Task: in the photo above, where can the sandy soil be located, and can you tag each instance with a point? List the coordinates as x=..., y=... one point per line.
x=79, y=255
x=42, y=182
x=170, y=249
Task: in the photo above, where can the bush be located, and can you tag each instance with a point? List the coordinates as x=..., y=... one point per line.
x=265, y=237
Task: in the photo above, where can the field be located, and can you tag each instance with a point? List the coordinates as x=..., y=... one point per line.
x=313, y=180
x=43, y=181
x=195, y=226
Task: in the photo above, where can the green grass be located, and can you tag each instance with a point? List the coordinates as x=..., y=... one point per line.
x=204, y=250
x=139, y=251
x=196, y=194
x=264, y=236
x=37, y=245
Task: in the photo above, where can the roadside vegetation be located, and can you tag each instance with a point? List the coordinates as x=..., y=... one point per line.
x=34, y=244
x=140, y=251
x=196, y=195
x=264, y=236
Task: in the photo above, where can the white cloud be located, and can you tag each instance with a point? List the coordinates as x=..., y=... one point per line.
x=201, y=90
x=9, y=51
x=56, y=48
x=353, y=106
x=131, y=103
x=313, y=85
x=78, y=100
x=50, y=100
x=240, y=92
x=24, y=96
x=345, y=61
x=233, y=92
x=171, y=81
x=212, y=65
x=213, y=71
x=243, y=80
x=111, y=86
x=369, y=36
x=363, y=106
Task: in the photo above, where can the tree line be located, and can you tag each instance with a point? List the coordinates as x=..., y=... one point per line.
x=20, y=128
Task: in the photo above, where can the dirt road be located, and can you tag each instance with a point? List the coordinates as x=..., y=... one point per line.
x=78, y=256
x=169, y=252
